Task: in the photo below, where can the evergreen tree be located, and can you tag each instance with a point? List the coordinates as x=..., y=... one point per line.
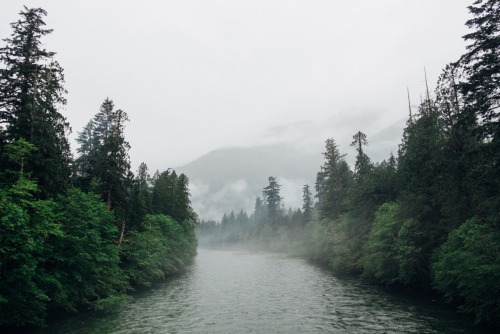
x=420, y=175
x=163, y=192
x=114, y=162
x=272, y=198
x=86, y=162
x=333, y=182
x=183, y=211
x=259, y=212
x=362, y=166
x=170, y=196
x=307, y=203
x=140, y=198
x=481, y=89
x=104, y=165
x=31, y=90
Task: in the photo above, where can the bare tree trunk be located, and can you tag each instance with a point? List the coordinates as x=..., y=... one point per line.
x=108, y=202
x=121, y=234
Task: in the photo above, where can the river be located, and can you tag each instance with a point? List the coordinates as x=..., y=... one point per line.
x=235, y=291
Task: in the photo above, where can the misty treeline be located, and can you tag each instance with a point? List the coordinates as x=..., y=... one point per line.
x=75, y=233
x=428, y=219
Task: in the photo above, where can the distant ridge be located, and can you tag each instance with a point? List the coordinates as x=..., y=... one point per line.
x=231, y=178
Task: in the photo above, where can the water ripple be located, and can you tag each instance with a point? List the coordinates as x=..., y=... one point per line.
x=241, y=292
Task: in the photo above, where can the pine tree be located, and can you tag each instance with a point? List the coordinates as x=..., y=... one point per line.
x=333, y=182
x=362, y=166
x=272, y=198
x=307, y=203
x=481, y=88
x=86, y=162
x=31, y=90
x=104, y=165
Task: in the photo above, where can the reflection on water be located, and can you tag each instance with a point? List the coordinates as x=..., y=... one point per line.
x=228, y=291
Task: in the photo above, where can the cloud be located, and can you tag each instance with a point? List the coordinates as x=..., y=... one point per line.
x=231, y=178
x=198, y=188
x=291, y=191
x=211, y=204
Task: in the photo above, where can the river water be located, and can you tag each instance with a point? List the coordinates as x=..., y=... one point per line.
x=235, y=291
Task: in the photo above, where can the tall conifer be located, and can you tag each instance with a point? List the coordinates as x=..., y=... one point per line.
x=31, y=91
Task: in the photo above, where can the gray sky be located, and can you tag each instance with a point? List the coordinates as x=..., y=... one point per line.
x=198, y=75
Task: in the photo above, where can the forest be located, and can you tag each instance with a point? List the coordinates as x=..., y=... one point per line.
x=76, y=233
x=426, y=219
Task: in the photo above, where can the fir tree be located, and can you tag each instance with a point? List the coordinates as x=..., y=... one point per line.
x=31, y=91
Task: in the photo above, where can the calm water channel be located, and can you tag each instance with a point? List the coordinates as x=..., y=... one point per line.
x=229, y=291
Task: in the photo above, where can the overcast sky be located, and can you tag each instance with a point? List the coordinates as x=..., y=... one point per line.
x=195, y=76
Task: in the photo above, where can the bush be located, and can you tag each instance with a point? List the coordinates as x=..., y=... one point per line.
x=466, y=269
x=379, y=260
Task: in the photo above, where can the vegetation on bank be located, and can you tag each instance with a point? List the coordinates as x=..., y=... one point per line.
x=427, y=219
x=75, y=233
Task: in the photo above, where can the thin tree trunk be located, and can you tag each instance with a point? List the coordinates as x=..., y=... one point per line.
x=121, y=234
x=108, y=202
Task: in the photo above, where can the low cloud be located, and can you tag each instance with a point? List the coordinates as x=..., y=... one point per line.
x=230, y=179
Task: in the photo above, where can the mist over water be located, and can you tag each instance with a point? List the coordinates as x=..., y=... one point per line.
x=235, y=291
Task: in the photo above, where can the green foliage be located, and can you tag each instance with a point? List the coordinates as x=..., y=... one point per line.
x=315, y=244
x=414, y=248
x=103, y=165
x=170, y=196
x=26, y=227
x=346, y=247
x=466, y=269
x=280, y=242
x=333, y=182
x=481, y=62
x=380, y=254
x=18, y=152
x=140, y=198
x=86, y=256
x=272, y=200
x=60, y=246
x=307, y=203
x=429, y=219
x=31, y=90
x=363, y=166
x=164, y=247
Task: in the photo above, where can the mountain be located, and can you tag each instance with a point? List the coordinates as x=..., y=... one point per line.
x=231, y=178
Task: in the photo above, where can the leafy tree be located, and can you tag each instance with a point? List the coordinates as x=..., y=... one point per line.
x=380, y=257
x=163, y=247
x=27, y=225
x=31, y=90
x=467, y=271
x=85, y=257
x=19, y=152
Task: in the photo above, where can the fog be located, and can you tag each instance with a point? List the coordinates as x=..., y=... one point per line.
x=195, y=76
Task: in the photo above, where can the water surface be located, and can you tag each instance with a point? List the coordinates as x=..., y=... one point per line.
x=235, y=291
